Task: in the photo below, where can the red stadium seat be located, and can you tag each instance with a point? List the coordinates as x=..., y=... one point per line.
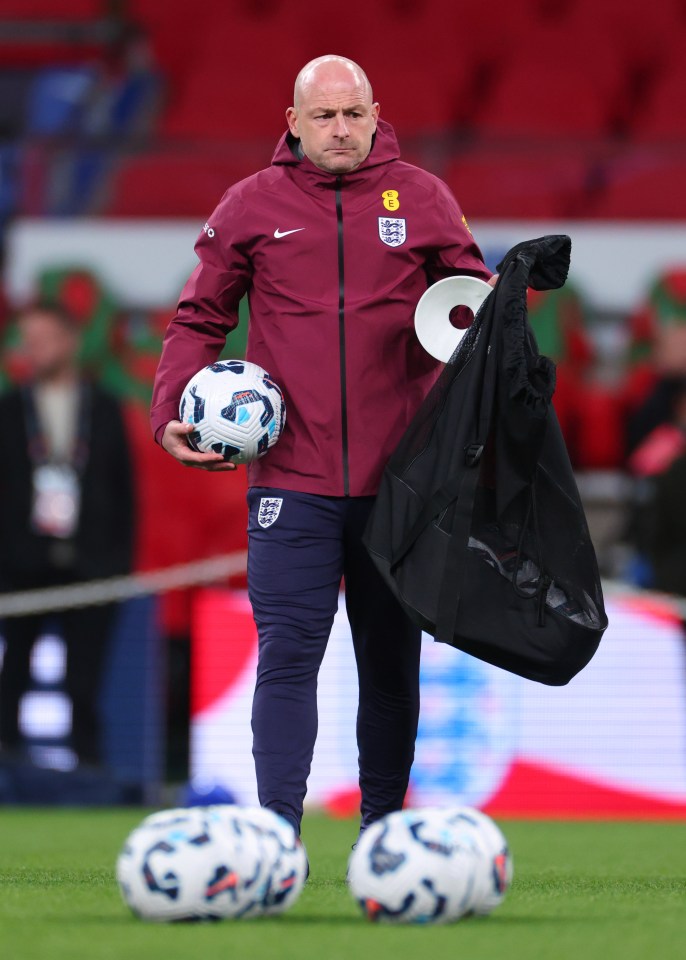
x=174, y=185
x=540, y=95
x=642, y=34
x=556, y=67
x=414, y=102
x=644, y=186
x=172, y=29
x=663, y=116
x=531, y=184
x=421, y=58
x=58, y=32
x=241, y=79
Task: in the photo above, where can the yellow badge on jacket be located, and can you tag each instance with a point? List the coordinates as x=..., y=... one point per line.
x=464, y=221
x=390, y=199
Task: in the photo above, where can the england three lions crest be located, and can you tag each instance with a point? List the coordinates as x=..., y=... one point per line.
x=392, y=231
x=270, y=508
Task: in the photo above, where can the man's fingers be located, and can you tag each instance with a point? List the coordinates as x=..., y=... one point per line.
x=193, y=458
x=175, y=442
x=206, y=461
x=223, y=467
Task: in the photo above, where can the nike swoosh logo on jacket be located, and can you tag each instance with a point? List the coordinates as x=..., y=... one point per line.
x=284, y=233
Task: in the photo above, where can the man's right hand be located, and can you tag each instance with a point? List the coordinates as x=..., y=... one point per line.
x=174, y=441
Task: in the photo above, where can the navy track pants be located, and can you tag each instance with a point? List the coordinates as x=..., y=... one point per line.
x=300, y=546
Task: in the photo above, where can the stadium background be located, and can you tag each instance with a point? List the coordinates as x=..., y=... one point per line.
x=121, y=125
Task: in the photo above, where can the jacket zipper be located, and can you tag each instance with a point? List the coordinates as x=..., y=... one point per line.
x=341, y=339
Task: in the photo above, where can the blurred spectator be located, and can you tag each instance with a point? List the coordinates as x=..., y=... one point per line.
x=559, y=321
x=657, y=527
x=659, y=407
x=66, y=514
x=657, y=348
x=589, y=410
x=667, y=533
x=651, y=424
x=120, y=348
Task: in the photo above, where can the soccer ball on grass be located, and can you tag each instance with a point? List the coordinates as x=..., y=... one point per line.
x=211, y=863
x=413, y=867
x=284, y=856
x=495, y=867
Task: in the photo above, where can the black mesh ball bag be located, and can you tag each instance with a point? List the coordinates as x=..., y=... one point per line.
x=478, y=526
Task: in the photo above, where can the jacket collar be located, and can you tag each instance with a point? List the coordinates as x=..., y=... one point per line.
x=384, y=149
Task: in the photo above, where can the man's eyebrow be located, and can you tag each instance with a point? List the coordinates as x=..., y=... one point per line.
x=357, y=108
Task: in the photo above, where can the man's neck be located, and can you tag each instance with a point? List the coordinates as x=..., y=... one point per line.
x=66, y=377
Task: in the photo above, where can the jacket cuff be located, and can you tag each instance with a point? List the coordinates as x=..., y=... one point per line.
x=158, y=432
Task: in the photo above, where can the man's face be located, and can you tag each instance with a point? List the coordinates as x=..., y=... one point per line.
x=335, y=122
x=48, y=345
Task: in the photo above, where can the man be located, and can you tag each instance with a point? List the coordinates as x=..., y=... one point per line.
x=334, y=244
x=66, y=514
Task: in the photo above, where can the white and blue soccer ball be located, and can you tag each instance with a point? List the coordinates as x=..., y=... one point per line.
x=495, y=867
x=285, y=860
x=210, y=863
x=184, y=865
x=235, y=408
x=414, y=867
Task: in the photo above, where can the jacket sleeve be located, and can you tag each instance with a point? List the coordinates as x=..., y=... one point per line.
x=207, y=312
x=455, y=251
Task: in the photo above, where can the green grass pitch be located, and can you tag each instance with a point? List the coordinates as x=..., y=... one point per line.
x=582, y=891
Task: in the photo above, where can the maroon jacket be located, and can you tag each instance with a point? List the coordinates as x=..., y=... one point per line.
x=333, y=267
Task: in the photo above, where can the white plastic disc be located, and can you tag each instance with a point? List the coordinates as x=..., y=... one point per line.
x=432, y=317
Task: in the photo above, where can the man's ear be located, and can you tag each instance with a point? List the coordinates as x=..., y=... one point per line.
x=292, y=118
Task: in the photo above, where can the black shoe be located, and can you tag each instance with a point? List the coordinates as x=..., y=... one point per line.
x=307, y=860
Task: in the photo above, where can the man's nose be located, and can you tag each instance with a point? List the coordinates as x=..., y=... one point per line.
x=341, y=127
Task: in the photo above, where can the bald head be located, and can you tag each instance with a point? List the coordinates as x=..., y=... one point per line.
x=333, y=115
x=331, y=71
